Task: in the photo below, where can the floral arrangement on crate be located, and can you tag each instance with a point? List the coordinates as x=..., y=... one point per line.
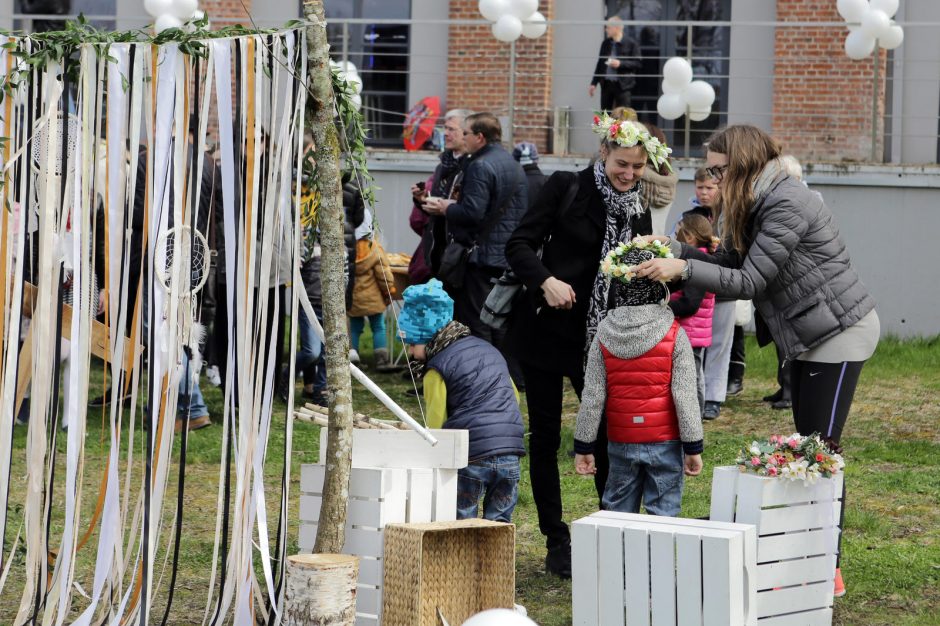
x=795, y=458
x=615, y=263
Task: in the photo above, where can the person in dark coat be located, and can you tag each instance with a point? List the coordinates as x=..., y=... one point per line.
x=443, y=183
x=528, y=156
x=495, y=196
x=354, y=207
x=552, y=329
x=617, y=64
x=781, y=248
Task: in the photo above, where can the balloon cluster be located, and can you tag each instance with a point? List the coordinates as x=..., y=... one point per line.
x=512, y=18
x=172, y=13
x=349, y=73
x=874, y=24
x=682, y=95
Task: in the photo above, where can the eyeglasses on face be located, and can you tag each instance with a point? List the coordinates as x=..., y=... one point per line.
x=717, y=172
x=468, y=132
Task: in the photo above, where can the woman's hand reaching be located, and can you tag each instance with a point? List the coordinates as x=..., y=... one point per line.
x=558, y=294
x=665, y=270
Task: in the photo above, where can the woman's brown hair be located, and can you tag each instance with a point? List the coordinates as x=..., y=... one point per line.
x=698, y=227
x=748, y=149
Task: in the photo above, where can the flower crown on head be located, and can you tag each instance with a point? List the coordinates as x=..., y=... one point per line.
x=628, y=134
x=614, y=266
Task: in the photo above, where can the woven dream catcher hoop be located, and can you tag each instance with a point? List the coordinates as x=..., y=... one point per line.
x=191, y=272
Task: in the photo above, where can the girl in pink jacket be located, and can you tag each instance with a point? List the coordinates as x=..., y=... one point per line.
x=694, y=307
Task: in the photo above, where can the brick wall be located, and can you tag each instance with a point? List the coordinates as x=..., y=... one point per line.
x=224, y=11
x=823, y=99
x=478, y=74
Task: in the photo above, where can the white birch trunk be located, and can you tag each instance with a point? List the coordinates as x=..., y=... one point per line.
x=332, y=524
x=321, y=590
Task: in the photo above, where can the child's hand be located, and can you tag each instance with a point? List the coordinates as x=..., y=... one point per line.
x=693, y=464
x=584, y=464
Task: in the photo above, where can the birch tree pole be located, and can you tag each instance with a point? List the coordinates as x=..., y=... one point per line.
x=331, y=528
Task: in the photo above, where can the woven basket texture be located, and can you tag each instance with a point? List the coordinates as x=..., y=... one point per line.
x=461, y=568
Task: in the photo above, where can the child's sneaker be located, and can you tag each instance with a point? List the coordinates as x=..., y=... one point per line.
x=839, y=589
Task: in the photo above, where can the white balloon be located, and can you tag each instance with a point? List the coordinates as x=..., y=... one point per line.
x=670, y=88
x=156, y=8
x=671, y=106
x=357, y=102
x=677, y=71
x=859, y=44
x=891, y=38
x=889, y=7
x=508, y=28
x=534, y=26
x=852, y=10
x=697, y=115
x=874, y=23
x=523, y=8
x=166, y=21
x=699, y=95
x=355, y=81
x=493, y=9
x=499, y=617
x=184, y=9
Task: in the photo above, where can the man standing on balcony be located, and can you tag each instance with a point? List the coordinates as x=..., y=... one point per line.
x=617, y=64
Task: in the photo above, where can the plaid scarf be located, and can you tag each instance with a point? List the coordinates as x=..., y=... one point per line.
x=451, y=332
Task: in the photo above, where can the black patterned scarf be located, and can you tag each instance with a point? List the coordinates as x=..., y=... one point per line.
x=448, y=334
x=622, y=206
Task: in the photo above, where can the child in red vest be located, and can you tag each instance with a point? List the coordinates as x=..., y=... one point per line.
x=694, y=307
x=641, y=375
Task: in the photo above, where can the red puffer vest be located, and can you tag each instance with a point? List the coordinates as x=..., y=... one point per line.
x=699, y=326
x=640, y=408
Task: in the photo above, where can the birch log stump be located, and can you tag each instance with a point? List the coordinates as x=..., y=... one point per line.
x=321, y=590
x=331, y=530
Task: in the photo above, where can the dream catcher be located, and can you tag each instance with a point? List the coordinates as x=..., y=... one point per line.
x=184, y=279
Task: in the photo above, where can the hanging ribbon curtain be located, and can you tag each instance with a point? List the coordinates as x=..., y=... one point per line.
x=102, y=175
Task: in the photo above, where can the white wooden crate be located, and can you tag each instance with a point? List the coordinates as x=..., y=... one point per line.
x=797, y=540
x=645, y=570
x=397, y=477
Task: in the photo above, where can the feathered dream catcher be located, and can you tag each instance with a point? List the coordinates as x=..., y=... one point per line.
x=110, y=196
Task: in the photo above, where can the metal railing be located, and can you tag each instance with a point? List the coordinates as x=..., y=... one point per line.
x=892, y=106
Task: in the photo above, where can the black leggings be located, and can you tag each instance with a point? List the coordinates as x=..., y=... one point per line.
x=544, y=396
x=822, y=397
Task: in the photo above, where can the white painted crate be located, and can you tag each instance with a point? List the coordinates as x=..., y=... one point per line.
x=397, y=477
x=797, y=539
x=646, y=570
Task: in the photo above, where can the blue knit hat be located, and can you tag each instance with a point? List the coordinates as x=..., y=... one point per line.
x=526, y=153
x=426, y=310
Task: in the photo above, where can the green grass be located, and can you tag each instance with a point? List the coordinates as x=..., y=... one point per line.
x=892, y=535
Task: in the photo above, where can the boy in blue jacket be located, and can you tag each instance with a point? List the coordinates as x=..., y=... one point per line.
x=466, y=386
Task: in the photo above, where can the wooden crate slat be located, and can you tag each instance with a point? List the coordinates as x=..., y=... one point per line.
x=797, y=544
x=584, y=578
x=798, y=571
x=817, y=617
x=405, y=449
x=662, y=577
x=610, y=564
x=689, y=605
x=792, y=599
x=637, y=576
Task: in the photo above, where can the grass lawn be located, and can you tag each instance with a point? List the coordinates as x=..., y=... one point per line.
x=892, y=536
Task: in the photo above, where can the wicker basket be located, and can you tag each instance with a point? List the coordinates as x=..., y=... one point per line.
x=461, y=568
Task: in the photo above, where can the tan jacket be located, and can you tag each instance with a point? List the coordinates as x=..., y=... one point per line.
x=375, y=284
x=658, y=190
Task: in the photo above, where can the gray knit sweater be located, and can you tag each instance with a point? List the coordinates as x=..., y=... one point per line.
x=628, y=332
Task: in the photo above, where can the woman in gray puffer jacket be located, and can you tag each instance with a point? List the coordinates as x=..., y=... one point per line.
x=783, y=250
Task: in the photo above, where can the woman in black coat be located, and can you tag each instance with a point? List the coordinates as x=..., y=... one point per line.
x=578, y=217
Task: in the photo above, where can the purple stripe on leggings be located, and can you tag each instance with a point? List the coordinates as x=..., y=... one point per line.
x=835, y=401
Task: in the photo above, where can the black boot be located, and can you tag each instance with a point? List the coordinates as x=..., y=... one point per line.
x=558, y=560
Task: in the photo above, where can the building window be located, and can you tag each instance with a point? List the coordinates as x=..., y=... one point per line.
x=380, y=53
x=100, y=14
x=710, y=49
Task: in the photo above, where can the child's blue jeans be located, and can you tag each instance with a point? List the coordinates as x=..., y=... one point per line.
x=496, y=480
x=648, y=471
